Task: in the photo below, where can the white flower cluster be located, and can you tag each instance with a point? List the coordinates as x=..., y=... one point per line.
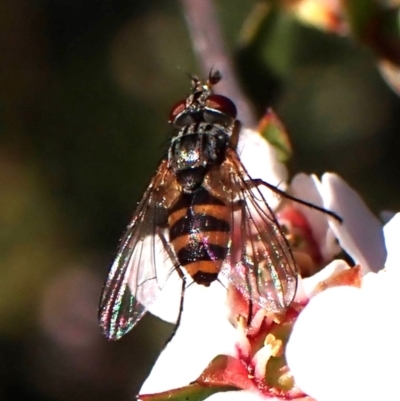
x=345, y=343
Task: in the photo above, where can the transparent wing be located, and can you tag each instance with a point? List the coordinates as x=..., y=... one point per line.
x=260, y=263
x=136, y=277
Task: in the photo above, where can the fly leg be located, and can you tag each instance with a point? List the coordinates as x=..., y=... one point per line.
x=177, y=267
x=255, y=183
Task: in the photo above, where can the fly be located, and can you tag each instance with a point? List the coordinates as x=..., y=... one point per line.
x=207, y=214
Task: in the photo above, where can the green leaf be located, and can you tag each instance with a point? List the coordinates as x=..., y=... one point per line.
x=272, y=129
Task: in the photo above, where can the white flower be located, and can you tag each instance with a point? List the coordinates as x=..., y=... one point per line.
x=337, y=345
x=345, y=343
x=360, y=234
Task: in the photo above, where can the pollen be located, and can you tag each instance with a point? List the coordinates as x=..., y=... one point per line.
x=275, y=344
x=286, y=380
x=241, y=322
x=243, y=343
x=278, y=318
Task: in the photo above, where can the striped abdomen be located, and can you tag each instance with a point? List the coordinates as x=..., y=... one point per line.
x=199, y=231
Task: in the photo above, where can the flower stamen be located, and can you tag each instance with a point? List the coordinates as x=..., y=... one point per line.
x=273, y=347
x=275, y=344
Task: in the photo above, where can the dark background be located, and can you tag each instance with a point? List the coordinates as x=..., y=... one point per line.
x=85, y=92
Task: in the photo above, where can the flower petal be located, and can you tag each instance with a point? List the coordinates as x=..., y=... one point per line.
x=239, y=396
x=345, y=346
x=204, y=332
x=309, y=284
x=392, y=233
x=306, y=187
x=260, y=160
x=360, y=234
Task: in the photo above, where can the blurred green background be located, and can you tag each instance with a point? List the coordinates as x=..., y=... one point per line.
x=85, y=92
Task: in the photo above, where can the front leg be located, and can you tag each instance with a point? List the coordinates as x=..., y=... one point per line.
x=255, y=183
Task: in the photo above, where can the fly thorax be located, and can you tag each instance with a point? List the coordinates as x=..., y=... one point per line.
x=194, y=150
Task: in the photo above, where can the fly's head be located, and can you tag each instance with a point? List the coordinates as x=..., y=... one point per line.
x=202, y=105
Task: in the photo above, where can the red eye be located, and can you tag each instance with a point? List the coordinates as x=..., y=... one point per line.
x=177, y=110
x=222, y=105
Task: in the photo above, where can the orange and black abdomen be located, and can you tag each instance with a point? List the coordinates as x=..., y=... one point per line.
x=199, y=231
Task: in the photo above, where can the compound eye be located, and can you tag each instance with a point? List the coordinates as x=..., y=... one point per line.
x=219, y=109
x=177, y=111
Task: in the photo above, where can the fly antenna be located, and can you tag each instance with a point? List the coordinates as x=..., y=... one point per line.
x=214, y=77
